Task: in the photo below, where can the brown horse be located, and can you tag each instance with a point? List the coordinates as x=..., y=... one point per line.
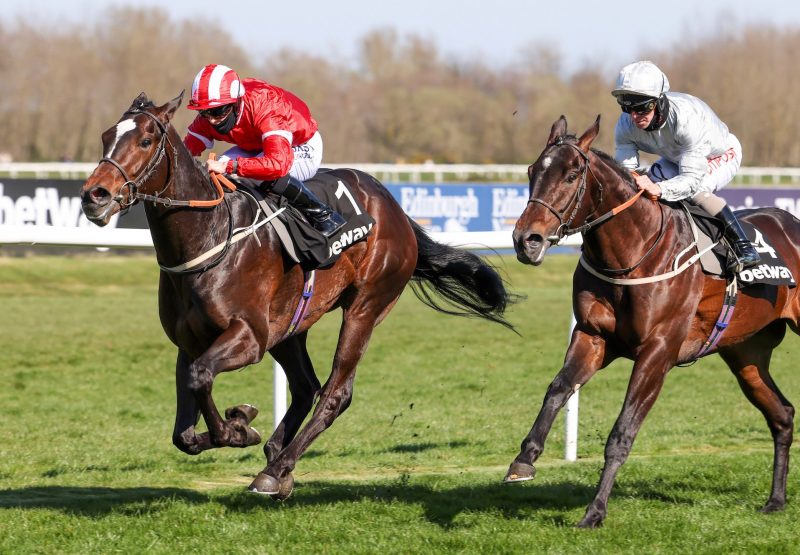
x=236, y=306
x=657, y=325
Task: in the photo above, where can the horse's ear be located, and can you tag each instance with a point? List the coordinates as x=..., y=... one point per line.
x=168, y=109
x=559, y=129
x=140, y=101
x=585, y=142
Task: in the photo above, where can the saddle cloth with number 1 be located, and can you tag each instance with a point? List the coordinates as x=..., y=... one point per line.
x=301, y=241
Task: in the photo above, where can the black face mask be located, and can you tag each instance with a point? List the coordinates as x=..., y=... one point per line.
x=660, y=117
x=224, y=127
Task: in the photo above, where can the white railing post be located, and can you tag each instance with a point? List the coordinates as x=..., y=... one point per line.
x=279, y=394
x=571, y=417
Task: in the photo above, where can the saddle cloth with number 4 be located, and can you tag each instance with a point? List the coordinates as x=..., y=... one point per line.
x=772, y=270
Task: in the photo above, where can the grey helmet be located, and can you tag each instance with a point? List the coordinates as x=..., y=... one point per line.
x=642, y=79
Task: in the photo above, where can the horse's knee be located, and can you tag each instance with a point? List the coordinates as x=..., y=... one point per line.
x=334, y=405
x=618, y=447
x=559, y=388
x=200, y=379
x=337, y=404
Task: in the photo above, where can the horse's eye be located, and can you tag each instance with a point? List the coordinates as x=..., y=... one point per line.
x=571, y=177
x=146, y=142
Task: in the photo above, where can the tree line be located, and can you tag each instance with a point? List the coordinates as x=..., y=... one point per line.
x=401, y=101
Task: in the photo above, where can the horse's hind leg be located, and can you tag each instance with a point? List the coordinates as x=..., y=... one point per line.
x=359, y=320
x=749, y=361
x=293, y=357
x=585, y=356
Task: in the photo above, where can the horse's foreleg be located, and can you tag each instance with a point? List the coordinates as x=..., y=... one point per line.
x=585, y=356
x=293, y=357
x=645, y=384
x=749, y=362
x=236, y=347
x=187, y=412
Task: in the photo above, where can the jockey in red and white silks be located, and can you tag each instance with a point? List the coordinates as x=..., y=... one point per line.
x=273, y=130
x=698, y=154
x=272, y=124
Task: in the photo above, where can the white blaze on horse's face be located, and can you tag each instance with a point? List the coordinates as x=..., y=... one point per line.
x=546, y=161
x=122, y=127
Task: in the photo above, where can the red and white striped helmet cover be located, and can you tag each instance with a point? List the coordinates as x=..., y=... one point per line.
x=215, y=85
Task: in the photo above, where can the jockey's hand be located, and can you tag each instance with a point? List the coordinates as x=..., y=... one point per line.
x=217, y=166
x=652, y=190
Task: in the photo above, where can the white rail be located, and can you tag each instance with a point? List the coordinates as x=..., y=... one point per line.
x=397, y=173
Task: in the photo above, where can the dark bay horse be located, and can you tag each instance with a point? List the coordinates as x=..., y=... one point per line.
x=658, y=324
x=241, y=303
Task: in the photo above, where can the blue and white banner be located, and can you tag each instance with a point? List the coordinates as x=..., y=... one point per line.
x=455, y=207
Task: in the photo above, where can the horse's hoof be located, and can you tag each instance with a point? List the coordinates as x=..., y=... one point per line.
x=285, y=488
x=519, y=472
x=590, y=522
x=773, y=507
x=244, y=412
x=253, y=437
x=265, y=485
x=593, y=518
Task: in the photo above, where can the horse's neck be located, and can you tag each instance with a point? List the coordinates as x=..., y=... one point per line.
x=622, y=240
x=180, y=234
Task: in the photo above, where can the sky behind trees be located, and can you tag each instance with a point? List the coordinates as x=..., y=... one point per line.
x=400, y=96
x=609, y=33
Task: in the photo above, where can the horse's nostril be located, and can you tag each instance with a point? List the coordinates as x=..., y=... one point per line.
x=533, y=240
x=99, y=195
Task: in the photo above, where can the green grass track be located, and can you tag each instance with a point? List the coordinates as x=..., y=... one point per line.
x=415, y=464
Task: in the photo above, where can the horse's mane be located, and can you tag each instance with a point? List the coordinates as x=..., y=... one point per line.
x=202, y=170
x=623, y=173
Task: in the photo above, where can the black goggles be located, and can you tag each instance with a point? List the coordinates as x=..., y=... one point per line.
x=217, y=112
x=641, y=108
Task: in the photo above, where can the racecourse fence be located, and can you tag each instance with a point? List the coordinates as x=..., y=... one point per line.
x=402, y=173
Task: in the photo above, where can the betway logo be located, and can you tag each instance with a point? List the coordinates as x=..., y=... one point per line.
x=44, y=208
x=765, y=271
x=348, y=238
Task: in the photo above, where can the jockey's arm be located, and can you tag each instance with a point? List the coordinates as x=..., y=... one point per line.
x=693, y=166
x=197, y=143
x=627, y=153
x=276, y=162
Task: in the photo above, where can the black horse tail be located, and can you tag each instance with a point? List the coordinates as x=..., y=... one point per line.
x=467, y=284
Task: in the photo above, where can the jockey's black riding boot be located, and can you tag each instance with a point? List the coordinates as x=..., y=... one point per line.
x=742, y=247
x=319, y=215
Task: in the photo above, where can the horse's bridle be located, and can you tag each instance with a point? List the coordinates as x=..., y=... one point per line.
x=564, y=228
x=134, y=195
x=133, y=185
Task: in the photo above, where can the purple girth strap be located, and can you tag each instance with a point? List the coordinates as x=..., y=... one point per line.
x=725, y=315
x=302, y=305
